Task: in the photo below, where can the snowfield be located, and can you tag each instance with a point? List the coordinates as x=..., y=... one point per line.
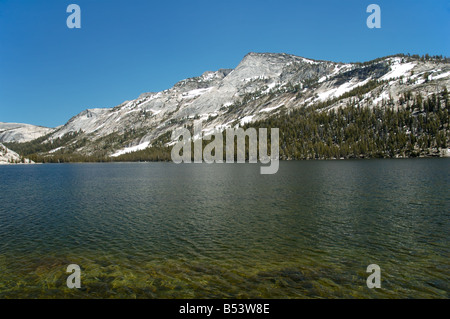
x=131, y=149
x=398, y=70
x=335, y=92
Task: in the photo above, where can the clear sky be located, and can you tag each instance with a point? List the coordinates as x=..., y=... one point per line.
x=49, y=73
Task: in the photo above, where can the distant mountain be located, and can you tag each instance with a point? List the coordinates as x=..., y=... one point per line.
x=262, y=86
x=20, y=133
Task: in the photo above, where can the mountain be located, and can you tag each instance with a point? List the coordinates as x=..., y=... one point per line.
x=262, y=86
x=20, y=133
x=10, y=157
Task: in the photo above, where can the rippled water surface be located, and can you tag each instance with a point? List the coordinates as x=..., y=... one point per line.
x=160, y=230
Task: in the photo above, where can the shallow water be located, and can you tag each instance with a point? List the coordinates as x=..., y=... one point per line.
x=161, y=230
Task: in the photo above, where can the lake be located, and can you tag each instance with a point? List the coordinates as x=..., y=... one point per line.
x=161, y=230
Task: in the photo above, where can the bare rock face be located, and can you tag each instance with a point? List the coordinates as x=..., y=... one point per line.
x=21, y=133
x=262, y=85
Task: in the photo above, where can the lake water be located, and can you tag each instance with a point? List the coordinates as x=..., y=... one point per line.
x=161, y=230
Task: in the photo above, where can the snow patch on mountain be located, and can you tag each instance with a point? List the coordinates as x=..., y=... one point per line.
x=338, y=91
x=383, y=96
x=269, y=109
x=131, y=149
x=441, y=76
x=195, y=93
x=246, y=119
x=398, y=69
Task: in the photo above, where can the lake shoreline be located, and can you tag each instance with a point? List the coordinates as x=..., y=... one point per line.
x=281, y=160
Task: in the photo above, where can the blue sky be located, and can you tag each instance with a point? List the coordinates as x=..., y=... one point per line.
x=49, y=73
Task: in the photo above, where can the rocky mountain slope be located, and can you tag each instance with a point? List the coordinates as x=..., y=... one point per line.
x=261, y=86
x=10, y=157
